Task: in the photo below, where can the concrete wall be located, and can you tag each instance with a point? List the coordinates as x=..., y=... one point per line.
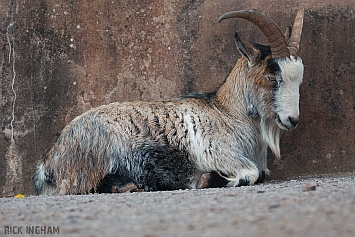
x=61, y=58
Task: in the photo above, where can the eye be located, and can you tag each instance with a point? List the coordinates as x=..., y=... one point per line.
x=270, y=77
x=277, y=80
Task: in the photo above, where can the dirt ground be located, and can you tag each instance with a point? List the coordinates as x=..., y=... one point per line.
x=317, y=206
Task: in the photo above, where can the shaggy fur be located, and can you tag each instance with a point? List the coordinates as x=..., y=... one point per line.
x=169, y=145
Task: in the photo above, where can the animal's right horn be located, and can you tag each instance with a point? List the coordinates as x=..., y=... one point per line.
x=296, y=33
x=276, y=39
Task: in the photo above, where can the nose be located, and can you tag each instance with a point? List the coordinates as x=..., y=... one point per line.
x=293, y=121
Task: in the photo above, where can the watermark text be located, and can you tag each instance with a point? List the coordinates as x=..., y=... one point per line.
x=36, y=230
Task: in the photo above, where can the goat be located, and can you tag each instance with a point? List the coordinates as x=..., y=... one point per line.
x=169, y=145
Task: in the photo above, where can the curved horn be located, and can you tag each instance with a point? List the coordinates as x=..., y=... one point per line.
x=296, y=33
x=269, y=28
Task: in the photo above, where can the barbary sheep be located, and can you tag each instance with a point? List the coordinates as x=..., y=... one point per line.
x=170, y=144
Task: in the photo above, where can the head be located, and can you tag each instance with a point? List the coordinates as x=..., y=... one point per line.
x=275, y=72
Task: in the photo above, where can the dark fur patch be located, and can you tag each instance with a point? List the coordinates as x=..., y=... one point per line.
x=200, y=95
x=264, y=50
x=113, y=183
x=243, y=182
x=163, y=168
x=262, y=176
x=216, y=181
x=273, y=66
x=166, y=169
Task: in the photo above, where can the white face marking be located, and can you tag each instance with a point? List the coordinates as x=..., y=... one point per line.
x=287, y=96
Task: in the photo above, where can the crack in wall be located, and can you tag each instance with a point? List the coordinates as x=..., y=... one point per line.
x=12, y=53
x=14, y=182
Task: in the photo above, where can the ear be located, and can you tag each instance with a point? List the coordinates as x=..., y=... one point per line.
x=288, y=34
x=247, y=50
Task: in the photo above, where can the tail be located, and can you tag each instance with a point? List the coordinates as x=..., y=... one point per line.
x=43, y=181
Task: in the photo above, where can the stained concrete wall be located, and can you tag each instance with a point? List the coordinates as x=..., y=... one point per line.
x=61, y=58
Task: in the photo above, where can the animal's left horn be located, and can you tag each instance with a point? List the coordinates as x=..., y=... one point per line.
x=276, y=39
x=296, y=33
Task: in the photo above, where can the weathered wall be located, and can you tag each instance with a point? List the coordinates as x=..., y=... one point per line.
x=60, y=58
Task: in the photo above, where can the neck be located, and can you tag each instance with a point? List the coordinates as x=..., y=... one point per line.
x=231, y=93
x=237, y=96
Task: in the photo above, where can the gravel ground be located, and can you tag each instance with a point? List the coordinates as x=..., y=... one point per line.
x=275, y=208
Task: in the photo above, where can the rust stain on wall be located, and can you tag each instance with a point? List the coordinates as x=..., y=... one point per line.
x=75, y=55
